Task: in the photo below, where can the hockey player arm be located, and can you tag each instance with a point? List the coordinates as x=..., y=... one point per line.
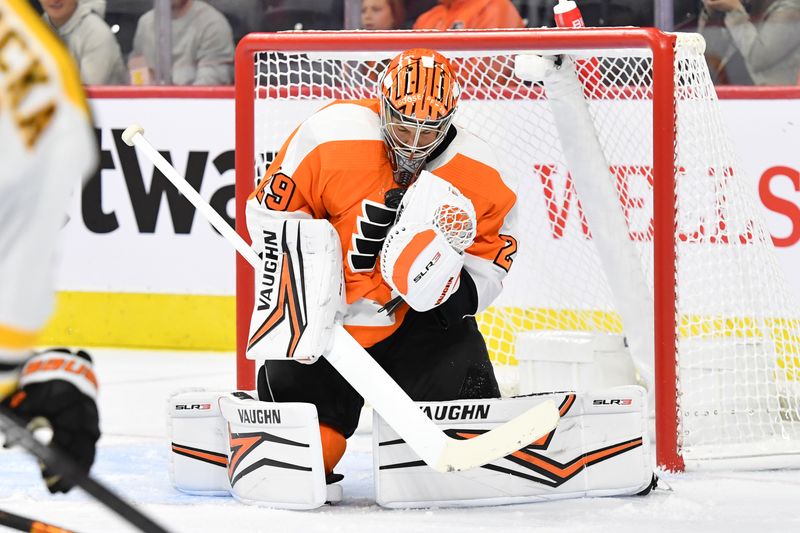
x=480, y=283
x=492, y=254
x=486, y=264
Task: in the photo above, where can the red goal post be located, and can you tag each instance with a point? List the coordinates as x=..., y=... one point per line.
x=282, y=77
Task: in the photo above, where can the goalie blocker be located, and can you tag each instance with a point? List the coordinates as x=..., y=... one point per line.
x=299, y=293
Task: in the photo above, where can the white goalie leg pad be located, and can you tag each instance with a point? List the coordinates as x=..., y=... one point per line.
x=199, y=441
x=299, y=288
x=275, y=453
x=601, y=447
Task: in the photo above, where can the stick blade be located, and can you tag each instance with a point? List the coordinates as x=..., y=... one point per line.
x=500, y=441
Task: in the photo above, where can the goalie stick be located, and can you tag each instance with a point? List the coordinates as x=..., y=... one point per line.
x=439, y=451
x=56, y=461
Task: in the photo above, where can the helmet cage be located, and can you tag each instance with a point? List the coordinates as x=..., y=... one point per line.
x=408, y=158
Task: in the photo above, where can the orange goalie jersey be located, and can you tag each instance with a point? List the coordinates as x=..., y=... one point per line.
x=335, y=166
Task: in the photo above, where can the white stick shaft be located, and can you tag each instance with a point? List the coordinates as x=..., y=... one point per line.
x=386, y=397
x=439, y=451
x=194, y=197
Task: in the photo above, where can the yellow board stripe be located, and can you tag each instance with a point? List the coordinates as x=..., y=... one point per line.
x=68, y=72
x=500, y=326
x=16, y=339
x=192, y=322
x=138, y=320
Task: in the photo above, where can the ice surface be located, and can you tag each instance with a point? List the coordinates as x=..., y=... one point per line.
x=133, y=460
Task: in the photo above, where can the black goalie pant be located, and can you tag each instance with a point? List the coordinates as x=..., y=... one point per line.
x=430, y=362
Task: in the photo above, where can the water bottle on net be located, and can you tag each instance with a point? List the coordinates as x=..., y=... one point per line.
x=567, y=15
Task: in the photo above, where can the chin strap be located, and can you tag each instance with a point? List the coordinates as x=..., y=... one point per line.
x=406, y=171
x=403, y=178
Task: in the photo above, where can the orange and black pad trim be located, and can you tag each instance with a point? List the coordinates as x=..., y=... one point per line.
x=291, y=302
x=566, y=404
x=554, y=473
x=543, y=469
x=207, y=456
x=543, y=442
x=242, y=444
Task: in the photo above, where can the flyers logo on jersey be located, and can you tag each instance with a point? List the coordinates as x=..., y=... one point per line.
x=419, y=83
x=372, y=227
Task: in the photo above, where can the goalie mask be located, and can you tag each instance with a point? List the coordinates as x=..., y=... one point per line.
x=419, y=95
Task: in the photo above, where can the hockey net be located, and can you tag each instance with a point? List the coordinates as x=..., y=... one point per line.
x=723, y=328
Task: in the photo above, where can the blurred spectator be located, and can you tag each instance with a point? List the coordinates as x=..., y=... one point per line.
x=379, y=15
x=122, y=16
x=244, y=16
x=98, y=6
x=202, y=46
x=686, y=14
x=470, y=14
x=382, y=14
x=475, y=14
x=415, y=8
x=764, y=44
x=89, y=40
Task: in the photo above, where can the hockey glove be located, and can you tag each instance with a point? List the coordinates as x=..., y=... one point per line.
x=420, y=265
x=58, y=388
x=432, y=200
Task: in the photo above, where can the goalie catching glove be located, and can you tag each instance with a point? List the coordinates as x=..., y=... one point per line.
x=420, y=265
x=422, y=255
x=58, y=388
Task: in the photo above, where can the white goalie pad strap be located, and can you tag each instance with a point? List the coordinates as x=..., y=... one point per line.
x=57, y=364
x=298, y=288
x=432, y=200
x=199, y=440
x=601, y=447
x=420, y=265
x=275, y=453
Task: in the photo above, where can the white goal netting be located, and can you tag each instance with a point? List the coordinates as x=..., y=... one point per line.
x=738, y=337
